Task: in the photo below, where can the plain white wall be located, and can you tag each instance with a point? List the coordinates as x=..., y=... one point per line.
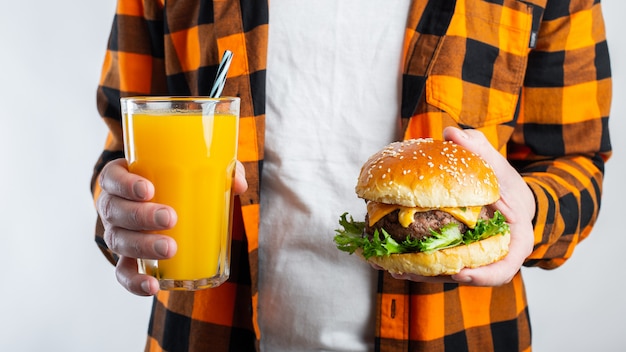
x=57, y=293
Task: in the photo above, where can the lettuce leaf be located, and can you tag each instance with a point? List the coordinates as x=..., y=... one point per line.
x=487, y=228
x=351, y=237
x=449, y=236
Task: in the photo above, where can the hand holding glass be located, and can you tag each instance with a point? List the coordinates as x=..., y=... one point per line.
x=187, y=147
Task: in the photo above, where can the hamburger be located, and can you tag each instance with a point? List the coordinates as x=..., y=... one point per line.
x=427, y=210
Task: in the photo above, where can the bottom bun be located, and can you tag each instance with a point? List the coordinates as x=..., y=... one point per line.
x=446, y=261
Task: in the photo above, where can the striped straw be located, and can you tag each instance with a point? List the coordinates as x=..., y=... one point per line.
x=220, y=78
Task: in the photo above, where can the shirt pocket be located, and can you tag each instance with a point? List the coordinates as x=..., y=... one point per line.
x=479, y=69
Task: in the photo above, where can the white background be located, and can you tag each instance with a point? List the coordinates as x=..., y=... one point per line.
x=57, y=293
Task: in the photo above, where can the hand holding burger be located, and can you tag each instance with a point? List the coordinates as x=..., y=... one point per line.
x=436, y=209
x=516, y=203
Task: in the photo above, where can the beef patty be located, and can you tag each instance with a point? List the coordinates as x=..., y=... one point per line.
x=420, y=227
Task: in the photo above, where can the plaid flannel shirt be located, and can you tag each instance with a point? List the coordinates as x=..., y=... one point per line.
x=533, y=75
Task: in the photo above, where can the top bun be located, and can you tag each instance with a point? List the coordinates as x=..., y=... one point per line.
x=427, y=173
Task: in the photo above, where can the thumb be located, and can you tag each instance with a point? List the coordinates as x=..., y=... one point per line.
x=240, y=184
x=476, y=142
x=513, y=188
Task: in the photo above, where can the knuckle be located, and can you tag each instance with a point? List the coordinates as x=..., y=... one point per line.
x=123, y=242
x=135, y=249
x=128, y=276
x=135, y=216
x=103, y=178
x=105, y=206
x=110, y=237
x=122, y=278
x=111, y=180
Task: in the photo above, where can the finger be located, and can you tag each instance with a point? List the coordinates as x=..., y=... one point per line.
x=116, y=180
x=128, y=276
x=496, y=274
x=502, y=271
x=140, y=216
x=413, y=277
x=484, y=276
x=376, y=266
x=419, y=278
x=139, y=245
x=240, y=184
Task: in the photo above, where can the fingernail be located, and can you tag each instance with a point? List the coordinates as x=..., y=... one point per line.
x=161, y=247
x=462, y=279
x=139, y=188
x=162, y=217
x=145, y=286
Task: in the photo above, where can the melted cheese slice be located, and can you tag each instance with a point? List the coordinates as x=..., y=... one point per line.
x=376, y=211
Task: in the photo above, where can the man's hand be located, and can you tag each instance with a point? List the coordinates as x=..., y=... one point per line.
x=516, y=203
x=125, y=210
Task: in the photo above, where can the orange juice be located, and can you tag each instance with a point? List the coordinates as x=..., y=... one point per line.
x=190, y=159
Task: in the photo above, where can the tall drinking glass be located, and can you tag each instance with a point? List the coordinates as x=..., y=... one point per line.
x=187, y=147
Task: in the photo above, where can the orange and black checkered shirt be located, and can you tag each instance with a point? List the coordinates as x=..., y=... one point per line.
x=533, y=75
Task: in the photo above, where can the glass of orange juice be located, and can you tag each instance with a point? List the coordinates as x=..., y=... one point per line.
x=187, y=147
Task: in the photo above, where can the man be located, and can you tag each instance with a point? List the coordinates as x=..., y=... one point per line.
x=321, y=91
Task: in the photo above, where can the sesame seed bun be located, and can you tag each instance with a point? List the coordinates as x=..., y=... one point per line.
x=427, y=173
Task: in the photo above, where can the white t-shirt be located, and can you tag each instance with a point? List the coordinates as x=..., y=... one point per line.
x=333, y=95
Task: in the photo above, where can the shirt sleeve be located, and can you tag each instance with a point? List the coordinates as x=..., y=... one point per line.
x=133, y=65
x=561, y=141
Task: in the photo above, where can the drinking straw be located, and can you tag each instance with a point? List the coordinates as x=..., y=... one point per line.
x=220, y=78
